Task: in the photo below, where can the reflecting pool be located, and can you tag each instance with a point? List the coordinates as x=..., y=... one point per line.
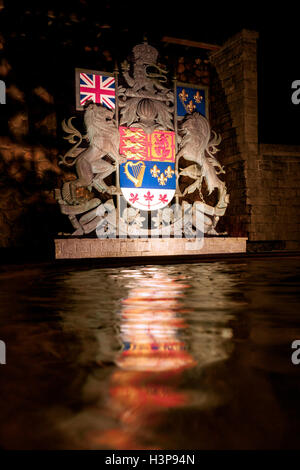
x=189, y=356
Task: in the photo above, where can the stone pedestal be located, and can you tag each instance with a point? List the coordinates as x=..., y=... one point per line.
x=76, y=248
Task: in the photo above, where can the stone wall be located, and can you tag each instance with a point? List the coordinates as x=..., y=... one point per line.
x=263, y=180
x=233, y=114
x=276, y=197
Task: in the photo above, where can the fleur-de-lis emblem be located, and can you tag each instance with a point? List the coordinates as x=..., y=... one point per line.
x=197, y=97
x=191, y=106
x=169, y=172
x=183, y=95
x=155, y=171
x=162, y=180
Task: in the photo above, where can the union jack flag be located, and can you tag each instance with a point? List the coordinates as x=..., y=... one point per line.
x=97, y=88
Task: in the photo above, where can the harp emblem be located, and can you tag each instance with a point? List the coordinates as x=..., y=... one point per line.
x=136, y=173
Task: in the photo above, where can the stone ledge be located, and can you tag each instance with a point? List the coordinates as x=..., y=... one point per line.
x=277, y=149
x=77, y=248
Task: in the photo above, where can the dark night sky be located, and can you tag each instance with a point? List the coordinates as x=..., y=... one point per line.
x=278, y=58
x=278, y=24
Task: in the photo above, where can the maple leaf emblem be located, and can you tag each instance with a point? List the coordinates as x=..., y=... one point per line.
x=163, y=198
x=148, y=196
x=133, y=198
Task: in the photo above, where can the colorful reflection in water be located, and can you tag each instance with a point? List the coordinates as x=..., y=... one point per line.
x=156, y=352
x=152, y=359
x=157, y=357
x=152, y=318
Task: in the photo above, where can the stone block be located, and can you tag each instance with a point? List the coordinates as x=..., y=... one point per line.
x=95, y=248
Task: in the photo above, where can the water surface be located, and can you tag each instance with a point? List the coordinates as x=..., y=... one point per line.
x=190, y=356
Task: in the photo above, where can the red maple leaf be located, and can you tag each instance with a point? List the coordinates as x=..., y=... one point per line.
x=148, y=196
x=133, y=198
x=163, y=198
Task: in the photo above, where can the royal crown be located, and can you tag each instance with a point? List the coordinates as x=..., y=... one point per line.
x=145, y=52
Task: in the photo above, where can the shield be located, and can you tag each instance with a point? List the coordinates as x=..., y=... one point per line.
x=147, y=179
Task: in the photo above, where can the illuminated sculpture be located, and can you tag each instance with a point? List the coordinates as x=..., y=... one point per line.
x=103, y=137
x=198, y=146
x=141, y=142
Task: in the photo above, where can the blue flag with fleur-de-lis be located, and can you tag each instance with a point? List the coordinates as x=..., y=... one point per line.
x=191, y=99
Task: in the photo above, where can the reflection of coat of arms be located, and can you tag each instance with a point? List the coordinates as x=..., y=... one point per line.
x=137, y=135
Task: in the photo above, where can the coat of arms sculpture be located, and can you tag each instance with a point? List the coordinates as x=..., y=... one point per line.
x=128, y=180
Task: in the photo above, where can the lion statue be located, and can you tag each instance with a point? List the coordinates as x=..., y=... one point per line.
x=198, y=145
x=103, y=137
